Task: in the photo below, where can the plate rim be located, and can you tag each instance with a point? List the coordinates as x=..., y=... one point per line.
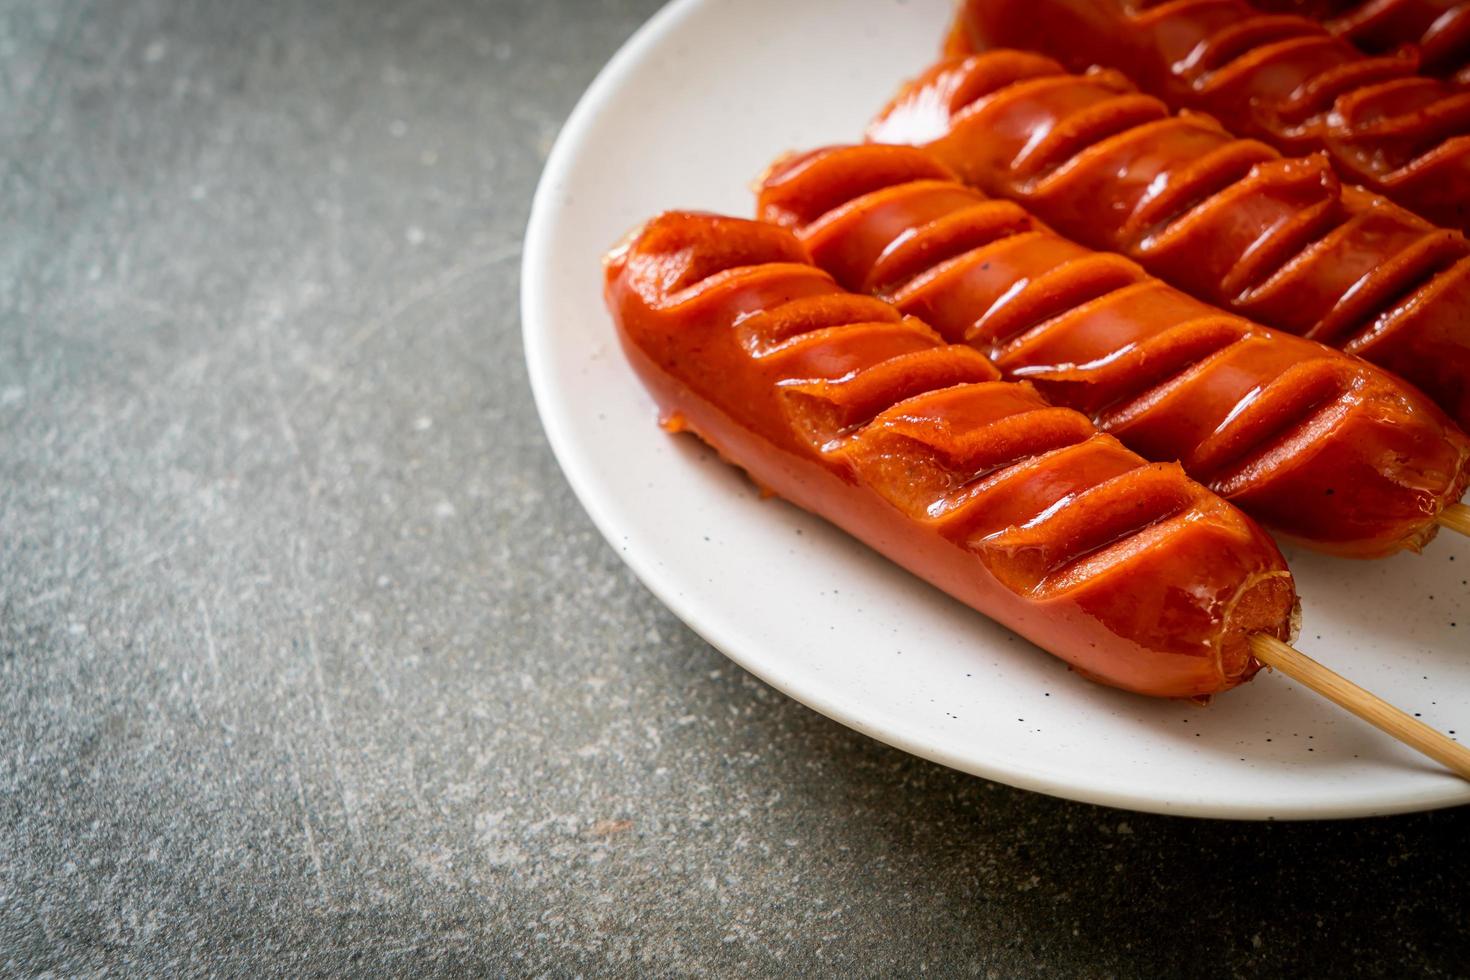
x=536, y=340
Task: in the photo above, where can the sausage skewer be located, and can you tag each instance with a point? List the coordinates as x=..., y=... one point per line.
x=1275, y=77
x=1280, y=241
x=1134, y=574
x=1440, y=29
x=1318, y=445
x=1131, y=572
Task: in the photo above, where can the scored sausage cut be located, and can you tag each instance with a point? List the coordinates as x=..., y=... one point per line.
x=1131, y=572
x=1314, y=443
x=1282, y=241
x=1280, y=78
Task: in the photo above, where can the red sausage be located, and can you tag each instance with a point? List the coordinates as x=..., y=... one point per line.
x=1440, y=28
x=1281, y=241
x=1313, y=443
x=1275, y=77
x=1134, y=574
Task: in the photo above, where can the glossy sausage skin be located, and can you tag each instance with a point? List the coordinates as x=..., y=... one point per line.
x=1281, y=241
x=1439, y=28
x=1311, y=442
x=1134, y=574
x=1274, y=77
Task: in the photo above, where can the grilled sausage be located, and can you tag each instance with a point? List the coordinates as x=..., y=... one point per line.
x=1131, y=572
x=1439, y=28
x=1281, y=241
x=1275, y=77
x=1313, y=443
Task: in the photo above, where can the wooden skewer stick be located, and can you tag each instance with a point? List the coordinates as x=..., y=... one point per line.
x=1365, y=704
x=1456, y=517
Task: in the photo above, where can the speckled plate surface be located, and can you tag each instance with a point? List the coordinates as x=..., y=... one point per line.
x=686, y=115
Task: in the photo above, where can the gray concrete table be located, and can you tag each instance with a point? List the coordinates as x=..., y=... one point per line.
x=311, y=663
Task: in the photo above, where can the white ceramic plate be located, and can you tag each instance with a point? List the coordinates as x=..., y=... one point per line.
x=685, y=116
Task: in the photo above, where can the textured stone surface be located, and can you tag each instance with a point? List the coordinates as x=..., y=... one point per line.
x=309, y=661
